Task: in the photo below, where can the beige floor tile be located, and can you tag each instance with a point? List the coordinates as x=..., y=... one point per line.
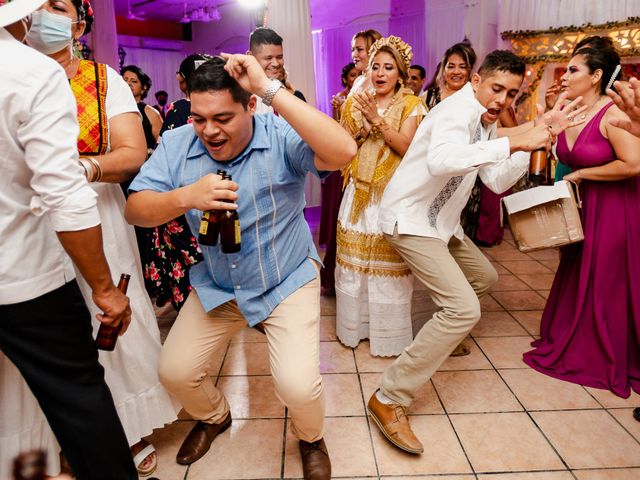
x=328, y=328
x=348, y=444
x=336, y=358
x=327, y=305
x=342, y=394
x=442, y=451
x=497, y=324
x=474, y=361
x=551, y=264
x=504, y=442
x=524, y=266
x=246, y=359
x=541, y=392
x=529, y=319
x=546, y=254
x=505, y=352
x=525, y=300
x=544, y=293
x=610, y=400
x=500, y=269
x=249, y=449
x=505, y=252
x=249, y=335
x=489, y=304
x=562, y=475
x=432, y=477
x=474, y=392
x=425, y=402
x=538, y=281
x=167, y=441
x=589, y=439
x=625, y=417
x=368, y=363
x=613, y=474
x=507, y=282
x=251, y=397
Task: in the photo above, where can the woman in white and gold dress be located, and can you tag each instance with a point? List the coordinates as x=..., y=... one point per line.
x=373, y=284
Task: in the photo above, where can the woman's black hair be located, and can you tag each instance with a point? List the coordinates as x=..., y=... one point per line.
x=85, y=12
x=145, y=81
x=602, y=57
x=345, y=73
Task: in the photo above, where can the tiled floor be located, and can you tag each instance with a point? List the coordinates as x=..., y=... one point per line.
x=485, y=416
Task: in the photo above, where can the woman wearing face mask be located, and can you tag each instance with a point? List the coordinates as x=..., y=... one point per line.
x=373, y=285
x=112, y=148
x=590, y=325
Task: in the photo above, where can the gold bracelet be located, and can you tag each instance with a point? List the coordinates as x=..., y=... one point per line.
x=96, y=164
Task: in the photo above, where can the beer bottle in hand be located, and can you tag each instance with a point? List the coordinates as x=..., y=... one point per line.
x=30, y=466
x=210, y=224
x=539, y=168
x=108, y=335
x=229, y=230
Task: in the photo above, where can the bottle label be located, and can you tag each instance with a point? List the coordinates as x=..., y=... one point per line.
x=204, y=223
x=237, y=230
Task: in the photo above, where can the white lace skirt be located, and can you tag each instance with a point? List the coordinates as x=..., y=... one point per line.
x=374, y=286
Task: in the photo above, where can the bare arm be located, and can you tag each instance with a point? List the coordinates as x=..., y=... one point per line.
x=156, y=120
x=128, y=149
x=332, y=145
x=85, y=249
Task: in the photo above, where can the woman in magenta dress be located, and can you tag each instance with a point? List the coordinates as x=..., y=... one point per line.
x=590, y=330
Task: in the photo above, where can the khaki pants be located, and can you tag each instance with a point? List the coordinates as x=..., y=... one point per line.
x=293, y=337
x=456, y=275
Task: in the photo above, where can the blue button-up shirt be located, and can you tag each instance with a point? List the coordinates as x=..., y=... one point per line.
x=276, y=243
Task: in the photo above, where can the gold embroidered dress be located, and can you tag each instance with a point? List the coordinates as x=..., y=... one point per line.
x=373, y=284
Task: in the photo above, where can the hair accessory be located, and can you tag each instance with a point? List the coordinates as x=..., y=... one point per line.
x=395, y=43
x=613, y=76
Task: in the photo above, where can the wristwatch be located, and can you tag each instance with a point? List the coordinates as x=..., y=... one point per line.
x=271, y=91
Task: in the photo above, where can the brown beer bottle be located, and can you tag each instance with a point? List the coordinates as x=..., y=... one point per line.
x=30, y=466
x=107, y=335
x=210, y=224
x=539, y=168
x=229, y=230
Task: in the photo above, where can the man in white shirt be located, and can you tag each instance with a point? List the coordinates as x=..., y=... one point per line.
x=420, y=216
x=47, y=208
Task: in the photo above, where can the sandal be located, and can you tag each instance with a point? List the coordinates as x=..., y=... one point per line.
x=460, y=351
x=139, y=459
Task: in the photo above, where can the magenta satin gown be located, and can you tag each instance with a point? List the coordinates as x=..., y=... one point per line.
x=590, y=329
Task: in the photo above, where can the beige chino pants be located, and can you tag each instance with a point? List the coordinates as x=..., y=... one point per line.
x=456, y=275
x=293, y=338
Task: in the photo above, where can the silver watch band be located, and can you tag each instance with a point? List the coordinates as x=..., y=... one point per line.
x=271, y=91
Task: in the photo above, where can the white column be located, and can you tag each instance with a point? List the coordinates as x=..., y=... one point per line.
x=104, y=36
x=291, y=19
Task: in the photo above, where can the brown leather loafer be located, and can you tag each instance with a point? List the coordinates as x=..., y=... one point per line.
x=316, y=464
x=199, y=440
x=394, y=424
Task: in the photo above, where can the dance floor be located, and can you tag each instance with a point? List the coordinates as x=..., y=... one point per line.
x=484, y=416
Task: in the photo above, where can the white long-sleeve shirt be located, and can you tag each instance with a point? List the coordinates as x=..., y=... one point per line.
x=42, y=188
x=432, y=184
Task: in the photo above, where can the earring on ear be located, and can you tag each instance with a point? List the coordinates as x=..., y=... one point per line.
x=401, y=82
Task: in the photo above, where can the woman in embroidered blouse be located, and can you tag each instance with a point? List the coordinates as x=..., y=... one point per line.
x=373, y=285
x=112, y=149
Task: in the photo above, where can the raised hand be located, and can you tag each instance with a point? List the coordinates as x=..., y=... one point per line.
x=561, y=116
x=551, y=95
x=246, y=70
x=366, y=103
x=627, y=100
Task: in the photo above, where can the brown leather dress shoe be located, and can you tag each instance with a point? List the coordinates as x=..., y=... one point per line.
x=316, y=464
x=394, y=424
x=199, y=440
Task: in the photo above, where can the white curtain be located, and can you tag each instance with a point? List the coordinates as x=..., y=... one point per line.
x=103, y=37
x=292, y=20
x=161, y=66
x=444, y=26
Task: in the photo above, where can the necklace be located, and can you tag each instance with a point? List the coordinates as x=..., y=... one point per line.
x=588, y=110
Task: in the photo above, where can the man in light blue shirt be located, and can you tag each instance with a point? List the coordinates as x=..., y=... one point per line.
x=273, y=279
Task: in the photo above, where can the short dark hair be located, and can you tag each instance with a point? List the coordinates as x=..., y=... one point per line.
x=464, y=50
x=84, y=14
x=502, y=61
x=263, y=36
x=161, y=92
x=345, y=73
x=420, y=68
x=145, y=80
x=593, y=41
x=604, y=58
x=211, y=76
x=191, y=63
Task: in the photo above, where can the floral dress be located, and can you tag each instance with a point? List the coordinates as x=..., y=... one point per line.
x=174, y=248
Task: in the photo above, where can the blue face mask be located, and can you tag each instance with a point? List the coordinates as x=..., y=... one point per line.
x=49, y=32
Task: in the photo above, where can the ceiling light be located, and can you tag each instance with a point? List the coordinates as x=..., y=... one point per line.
x=252, y=3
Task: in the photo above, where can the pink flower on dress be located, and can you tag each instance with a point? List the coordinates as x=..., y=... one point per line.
x=174, y=227
x=152, y=272
x=177, y=296
x=177, y=272
x=171, y=107
x=189, y=120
